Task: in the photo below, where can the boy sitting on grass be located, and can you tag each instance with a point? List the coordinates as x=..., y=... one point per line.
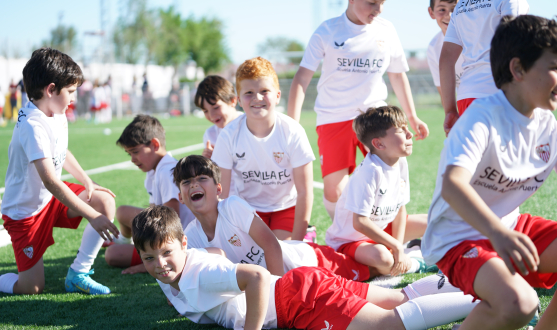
x=370, y=222
x=208, y=288
x=36, y=199
x=269, y=154
x=496, y=156
x=144, y=140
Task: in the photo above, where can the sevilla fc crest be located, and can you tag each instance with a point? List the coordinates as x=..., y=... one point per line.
x=381, y=45
x=235, y=240
x=278, y=156
x=473, y=253
x=544, y=152
x=28, y=250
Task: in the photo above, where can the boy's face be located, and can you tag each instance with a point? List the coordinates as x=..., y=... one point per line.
x=258, y=97
x=200, y=194
x=167, y=262
x=441, y=13
x=540, y=82
x=366, y=10
x=219, y=113
x=397, y=142
x=59, y=102
x=144, y=156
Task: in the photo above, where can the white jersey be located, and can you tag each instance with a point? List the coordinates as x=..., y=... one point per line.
x=509, y=156
x=35, y=136
x=262, y=168
x=232, y=236
x=161, y=188
x=209, y=292
x=433, y=55
x=355, y=57
x=212, y=133
x=472, y=26
x=375, y=190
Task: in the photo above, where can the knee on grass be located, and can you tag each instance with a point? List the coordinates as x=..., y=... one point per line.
x=115, y=257
x=30, y=289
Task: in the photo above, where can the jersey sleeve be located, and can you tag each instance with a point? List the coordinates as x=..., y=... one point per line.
x=433, y=62
x=361, y=193
x=34, y=140
x=300, y=148
x=315, y=50
x=514, y=7
x=222, y=153
x=398, y=62
x=167, y=188
x=238, y=212
x=452, y=35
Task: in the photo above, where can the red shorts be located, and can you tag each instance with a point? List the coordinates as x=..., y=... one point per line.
x=315, y=298
x=340, y=264
x=136, y=259
x=283, y=219
x=337, y=144
x=462, y=262
x=32, y=236
x=349, y=249
x=463, y=104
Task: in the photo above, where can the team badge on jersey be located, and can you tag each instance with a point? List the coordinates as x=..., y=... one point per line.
x=235, y=240
x=473, y=253
x=278, y=156
x=28, y=250
x=381, y=45
x=544, y=152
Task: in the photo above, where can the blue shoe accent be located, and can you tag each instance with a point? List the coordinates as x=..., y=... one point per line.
x=536, y=317
x=425, y=268
x=81, y=282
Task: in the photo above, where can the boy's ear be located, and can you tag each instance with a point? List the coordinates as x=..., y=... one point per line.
x=430, y=11
x=156, y=143
x=180, y=197
x=233, y=101
x=49, y=90
x=515, y=66
x=377, y=144
x=278, y=97
x=184, y=242
x=219, y=189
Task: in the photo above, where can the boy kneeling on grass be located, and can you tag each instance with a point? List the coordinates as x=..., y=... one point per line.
x=208, y=288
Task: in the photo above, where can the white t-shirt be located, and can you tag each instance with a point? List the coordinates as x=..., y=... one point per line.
x=161, y=188
x=375, y=190
x=509, y=156
x=232, y=236
x=472, y=26
x=212, y=133
x=263, y=167
x=433, y=55
x=35, y=136
x=355, y=57
x=209, y=292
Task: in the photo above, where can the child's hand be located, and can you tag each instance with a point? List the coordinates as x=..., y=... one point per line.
x=450, y=120
x=104, y=227
x=421, y=129
x=208, y=151
x=402, y=262
x=517, y=248
x=91, y=186
x=135, y=270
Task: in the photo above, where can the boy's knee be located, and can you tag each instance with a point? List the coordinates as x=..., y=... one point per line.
x=519, y=307
x=32, y=289
x=101, y=199
x=332, y=194
x=111, y=257
x=381, y=257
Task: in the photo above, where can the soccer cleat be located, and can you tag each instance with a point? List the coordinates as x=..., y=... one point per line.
x=81, y=282
x=424, y=268
x=414, y=242
x=311, y=235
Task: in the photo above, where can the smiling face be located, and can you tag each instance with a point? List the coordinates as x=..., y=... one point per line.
x=220, y=113
x=166, y=262
x=144, y=156
x=441, y=13
x=200, y=194
x=364, y=11
x=258, y=97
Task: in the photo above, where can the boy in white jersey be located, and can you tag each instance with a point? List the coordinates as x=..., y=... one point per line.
x=440, y=11
x=357, y=48
x=498, y=154
x=469, y=35
x=215, y=95
x=370, y=222
x=144, y=140
x=267, y=154
x=36, y=200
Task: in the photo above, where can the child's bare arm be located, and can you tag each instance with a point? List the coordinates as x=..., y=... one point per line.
x=101, y=223
x=215, y=250
x=225, y=178
x=401, y=86
x=298, y=89
x=303, y=180
x=510, y=245
x=264, y=237
x=254, y=281
x=449, y=55
x=402, y=261
x=72, y=166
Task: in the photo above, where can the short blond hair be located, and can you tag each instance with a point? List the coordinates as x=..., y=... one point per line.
x=256, y=68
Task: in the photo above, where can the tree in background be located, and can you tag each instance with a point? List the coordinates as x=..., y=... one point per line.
x=280, y=45
x=205, y=43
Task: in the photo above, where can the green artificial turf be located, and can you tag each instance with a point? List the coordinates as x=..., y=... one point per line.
x=136, y=301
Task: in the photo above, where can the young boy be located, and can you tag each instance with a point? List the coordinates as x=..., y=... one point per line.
x=144, y=140
x=469, y=33
x=440, y=11
x=498, y=154
x=371, y=223
x=36, y=200
x=208, y=288
x=357, y=48
x=269, y=154
x=215, y=96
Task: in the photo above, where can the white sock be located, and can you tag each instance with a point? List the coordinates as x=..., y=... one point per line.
x=433, y=284
x=435, y=310
x=91, y=243
x=415, y=266
x=330, y=207
x=7, y=282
